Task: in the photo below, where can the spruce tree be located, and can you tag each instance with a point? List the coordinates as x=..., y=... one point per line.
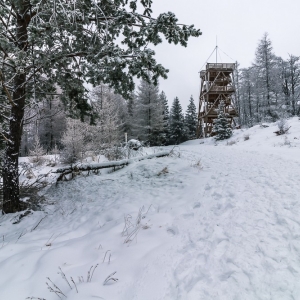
x=191, y=119
x=177, y=130
x=148, y=114
x=166, y=130
x=222, y=128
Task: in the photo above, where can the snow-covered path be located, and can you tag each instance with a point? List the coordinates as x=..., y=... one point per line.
x=228, y=231
x=244, y=239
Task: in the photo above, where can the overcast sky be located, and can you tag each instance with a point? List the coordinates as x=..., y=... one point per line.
x=238, y=25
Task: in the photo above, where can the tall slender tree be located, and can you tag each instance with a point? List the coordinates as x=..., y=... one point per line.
x=148, y=114
x=267, y=79
x=108, y=107
x=166, y=130
x=290, y=72
x=177, y=128
x=190, y=119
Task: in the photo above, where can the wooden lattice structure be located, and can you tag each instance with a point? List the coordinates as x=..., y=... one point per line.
x=216, y=85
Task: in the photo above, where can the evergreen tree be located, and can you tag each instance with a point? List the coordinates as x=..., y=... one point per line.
x=148, y=114
x=129, y=116
x=166, y=130
x=177, y=130
x=222, y=128
x=71, y=43
x=191, y=119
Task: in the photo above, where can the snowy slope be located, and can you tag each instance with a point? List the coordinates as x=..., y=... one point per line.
x=221, y=222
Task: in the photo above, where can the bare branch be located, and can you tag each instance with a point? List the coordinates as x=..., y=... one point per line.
x=6, y=90
x=12, y=38
x=6, y=139
x=2, y=4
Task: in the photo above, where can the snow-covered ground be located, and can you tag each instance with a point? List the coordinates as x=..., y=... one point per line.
x=212, y=221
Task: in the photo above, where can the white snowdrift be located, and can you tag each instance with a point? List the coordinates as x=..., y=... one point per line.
x=220, y=222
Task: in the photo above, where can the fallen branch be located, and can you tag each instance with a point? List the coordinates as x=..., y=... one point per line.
x=109, y=164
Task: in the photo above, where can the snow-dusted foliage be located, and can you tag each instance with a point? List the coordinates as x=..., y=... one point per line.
x=177, y=128
x=48, y=119
x=70, y=43
x=148, y=115
x=269, y=89
x=268, y=84
x=75, y=140
x=37, y=151
x=222, y=128
x=190, y=119
x=166, y=115
x=108, y=108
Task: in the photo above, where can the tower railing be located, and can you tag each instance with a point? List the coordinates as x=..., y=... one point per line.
x=220, y=66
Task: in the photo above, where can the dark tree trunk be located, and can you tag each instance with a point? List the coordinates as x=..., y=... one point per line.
x=11, y=193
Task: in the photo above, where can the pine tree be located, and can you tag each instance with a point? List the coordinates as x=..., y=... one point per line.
x=177, y=130
x=71, y=43
x=222, y=128
x=191, y=119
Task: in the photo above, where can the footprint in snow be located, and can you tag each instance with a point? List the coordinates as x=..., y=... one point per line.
x=197, y=205
x=188, y=215
x=173, y=230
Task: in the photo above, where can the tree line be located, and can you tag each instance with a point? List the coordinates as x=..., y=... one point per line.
x=145, y=116
x=269, y=89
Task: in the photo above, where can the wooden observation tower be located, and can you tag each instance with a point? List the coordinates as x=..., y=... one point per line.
x=216, y=85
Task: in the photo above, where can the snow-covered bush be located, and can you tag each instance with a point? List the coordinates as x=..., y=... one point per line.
x=37, y=152
x=134, y=144
x=282, y=126
x=114, y=153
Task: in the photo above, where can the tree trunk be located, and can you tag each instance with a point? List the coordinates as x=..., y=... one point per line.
x=11, y=193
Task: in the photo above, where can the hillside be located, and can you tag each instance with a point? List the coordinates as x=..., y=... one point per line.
x=212, y=221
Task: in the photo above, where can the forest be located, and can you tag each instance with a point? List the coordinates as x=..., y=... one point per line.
x=266, y=91
x=269, y=89
x=47, y=104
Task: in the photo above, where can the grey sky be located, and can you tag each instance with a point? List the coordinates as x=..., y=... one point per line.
x=238, y=24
